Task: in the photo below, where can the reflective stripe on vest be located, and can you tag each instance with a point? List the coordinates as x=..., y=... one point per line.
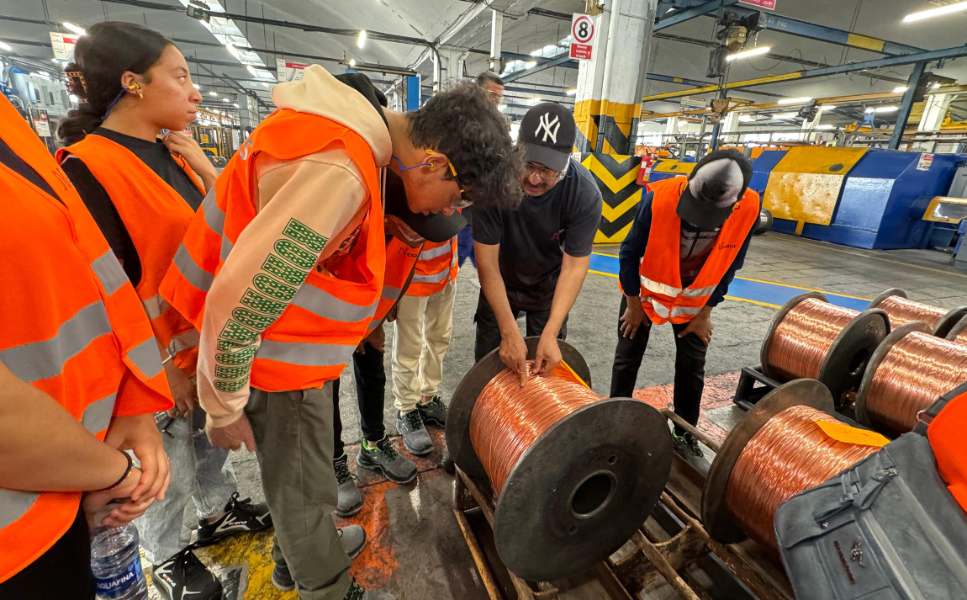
x=436, y=278
x=195, y=275
x=663, y=298
x=435, y=252
x=83, y=344
x=433, y=269
x=324, y=304
x=305, y=354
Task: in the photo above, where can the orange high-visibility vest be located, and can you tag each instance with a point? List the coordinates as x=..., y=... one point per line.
x=946, y=435
x=662, y=296
x=156, y=217
x=437, y=266
x=400, y=262
x=71, y=325
x=308, y=341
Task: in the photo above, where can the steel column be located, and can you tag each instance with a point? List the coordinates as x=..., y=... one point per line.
x=496, y=33
x=906, y=106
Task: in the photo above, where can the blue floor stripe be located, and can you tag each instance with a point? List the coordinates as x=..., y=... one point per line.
x=745, y=289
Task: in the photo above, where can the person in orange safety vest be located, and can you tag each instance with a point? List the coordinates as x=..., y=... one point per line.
x=687, y=241
x=80, y=376
x=282, y=270
x=143, y=193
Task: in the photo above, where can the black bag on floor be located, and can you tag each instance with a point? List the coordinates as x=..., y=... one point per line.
x=886, y=529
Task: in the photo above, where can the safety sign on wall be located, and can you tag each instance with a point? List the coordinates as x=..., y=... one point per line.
x=582, y=36
x=42, y=125
x=63, y=45
x=769, y=4
x=289, y=71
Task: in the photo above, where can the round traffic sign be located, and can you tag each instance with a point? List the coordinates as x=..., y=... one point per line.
x=582, y=29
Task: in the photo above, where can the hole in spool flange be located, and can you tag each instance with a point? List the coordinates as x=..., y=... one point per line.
x=612, y=459
x=858, y=364
x=592, y=495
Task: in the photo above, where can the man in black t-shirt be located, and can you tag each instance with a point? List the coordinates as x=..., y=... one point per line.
x=534, y=259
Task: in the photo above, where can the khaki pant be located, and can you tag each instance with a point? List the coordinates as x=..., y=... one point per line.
x=293, y=434
x=421, y=336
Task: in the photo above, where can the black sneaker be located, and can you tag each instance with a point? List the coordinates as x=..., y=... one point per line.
x=282, y=579
x=385, y=459
x=357, y=592
x=433, y=412
x=349, y=501
x=690, y=443
x=241, y=516
x=184, y=577
x=416, y=439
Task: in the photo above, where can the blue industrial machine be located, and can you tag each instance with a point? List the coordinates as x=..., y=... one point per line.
x=876, y=199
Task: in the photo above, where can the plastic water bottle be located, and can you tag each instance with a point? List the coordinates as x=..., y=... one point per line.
x=116, y=564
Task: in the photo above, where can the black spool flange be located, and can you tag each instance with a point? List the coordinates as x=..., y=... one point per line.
x=582, y=488
x=715, y=515
x=957, y=329
x=846, y=360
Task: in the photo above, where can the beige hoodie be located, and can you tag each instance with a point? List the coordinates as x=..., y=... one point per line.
x=324, y=191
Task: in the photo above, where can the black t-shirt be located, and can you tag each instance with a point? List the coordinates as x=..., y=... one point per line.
x=159, y=160
x=10, y=159
x=534, y=237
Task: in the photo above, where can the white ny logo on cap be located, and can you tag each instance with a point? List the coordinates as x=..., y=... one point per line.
x=546, y=123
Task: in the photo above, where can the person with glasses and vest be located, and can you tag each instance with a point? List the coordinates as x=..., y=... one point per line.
x=534, y=259
x=80, y=380
x=687, y=241
x=143, y=194
x=282, y=270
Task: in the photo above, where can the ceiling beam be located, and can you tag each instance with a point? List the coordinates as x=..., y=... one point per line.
x=699, y=10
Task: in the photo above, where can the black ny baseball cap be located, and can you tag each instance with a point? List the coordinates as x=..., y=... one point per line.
x=718, y=181
x=548, y=132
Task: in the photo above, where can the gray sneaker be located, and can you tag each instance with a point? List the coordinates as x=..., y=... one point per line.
x=385, y=459
x=350, y=500
x=415, y=437
x=433, y=412
x=353, y=539
x=357, y=592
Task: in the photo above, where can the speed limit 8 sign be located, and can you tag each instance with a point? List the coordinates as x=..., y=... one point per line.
x=582, y=36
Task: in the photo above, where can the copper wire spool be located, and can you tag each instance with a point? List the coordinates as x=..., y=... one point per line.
x=811, y=338
x=902, y=311
x=958, y=333
x=776, y=452
x=572, y=475
x=907, y=374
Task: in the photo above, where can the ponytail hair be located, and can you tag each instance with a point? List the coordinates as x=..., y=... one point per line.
x=101, y=57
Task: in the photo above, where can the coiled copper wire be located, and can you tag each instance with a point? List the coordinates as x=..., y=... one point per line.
x=903, y=310
x=507, y=418
x=916, y=371
x=804, y=337
x=788, y=455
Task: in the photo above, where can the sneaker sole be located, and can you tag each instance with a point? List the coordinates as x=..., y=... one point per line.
x=281, y=586
x=411, y=450
x=360, y=461
x=434, y=421
x=350, y=512
x=358, y=550
x=203, y=542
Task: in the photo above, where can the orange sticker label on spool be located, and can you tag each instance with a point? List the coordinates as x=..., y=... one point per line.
x=842, y=432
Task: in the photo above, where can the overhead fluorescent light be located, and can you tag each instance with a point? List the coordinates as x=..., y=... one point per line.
x=935, y=12
x=361, y=39
x=747, y=53
x=265, y=85
x=533, y=101
x=746, y=118
x=352, y=62
x=935, y=86
x=886, y=109
x=825, y=127
x=212, y=93
x=73, y=98
x=225, y=100
x=828, y=107
x=785, y=116
x=572, y=91
x=900, y=90
x=252, y=70
x=196, y=86
x=501, y=107
x=794, y=100
x=235, y=105
x=74, y=28
x=530, y=64
x=6, y=47
x=870, y=110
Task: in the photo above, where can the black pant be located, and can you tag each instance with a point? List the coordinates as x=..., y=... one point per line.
x=61, y=573
x=488, y=331
x=370, y=379
x=689, y=367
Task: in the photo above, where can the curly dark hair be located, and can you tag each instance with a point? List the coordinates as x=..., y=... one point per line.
x=463, y=124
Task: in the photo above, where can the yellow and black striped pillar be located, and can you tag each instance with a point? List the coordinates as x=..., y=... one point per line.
x=616, y=176
x=587, y=115
x=616, y=126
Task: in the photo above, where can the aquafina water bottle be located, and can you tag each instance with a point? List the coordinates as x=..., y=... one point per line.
x=116, y=563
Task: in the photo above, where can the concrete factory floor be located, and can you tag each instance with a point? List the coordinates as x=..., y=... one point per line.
x=416, y=550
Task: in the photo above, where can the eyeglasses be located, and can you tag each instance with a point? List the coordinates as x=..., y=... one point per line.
x=547, y=175
x=463, y=202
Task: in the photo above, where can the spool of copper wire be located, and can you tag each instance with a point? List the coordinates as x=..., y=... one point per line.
x=572, y=475
x=902, y=310
x=958, y=333
x=778, y=451
x=908, y=372
x=811, y=338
